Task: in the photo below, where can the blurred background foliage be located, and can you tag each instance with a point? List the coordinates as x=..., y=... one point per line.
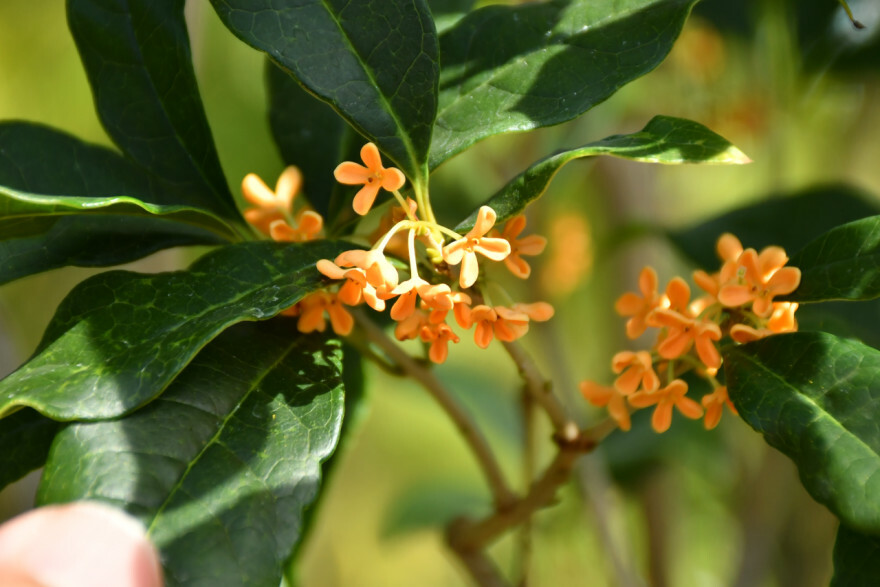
x=791, y=83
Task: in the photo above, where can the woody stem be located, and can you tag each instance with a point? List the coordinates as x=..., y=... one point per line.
x=501, y=492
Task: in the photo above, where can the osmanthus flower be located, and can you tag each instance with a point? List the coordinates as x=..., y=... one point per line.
x=743, y=333
x=639, y=306
x=372, y=175
x=356, y=287
x=380, y=273
x=602, y=396
x=782, y=317
x=273, y=213
x=510, y=324
x=461, y=310
x=529, y=245
x=635, y=368
x=761, y=277
x=465, y=249
x=437, y=297
x=673, y=395
x=439, y=335
x=682, y=332
x=536, y=311
x=411, y=326
x=714, y=404
x=311, y=314
x=483, y=319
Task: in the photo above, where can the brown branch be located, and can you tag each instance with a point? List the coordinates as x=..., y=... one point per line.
x=467, y=537
x=541, y=391
x=501, y=492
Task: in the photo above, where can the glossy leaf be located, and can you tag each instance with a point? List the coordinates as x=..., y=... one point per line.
x=663, y=140
x=515, y=68
x=856, y=559
x=24, y=214
x=310, y=135
x=119, y=338
x=376, y=63
x=815, y=398
x=51, y=183
x=94, y=241
x=138, y=60
x=842, y=264
x=25, y=438
x=758, y=225
x=222, y=467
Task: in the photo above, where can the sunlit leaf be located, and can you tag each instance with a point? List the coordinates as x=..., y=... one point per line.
x=663, y=140
x=375, y=62
x=137, y=57
x=222, y=466
x=514, y=68
x=815, y=397
x=119, y=338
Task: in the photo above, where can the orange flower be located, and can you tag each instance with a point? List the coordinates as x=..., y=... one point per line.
x=635, y=368
x=411, y=326
x=373, y=177
x=631, y=304
x=439, y=335
x=483, y=318
x=464, y=250
x=274, y=208
x=671, y=395
x=530, y=245
x=601, y=396
x=743, y=333
x=312, y=308
x=684, y=331
x=356, y=287
x=380, y=273
x=714, y=403
x=782, y=318
x=510, y=324
x=537, y=311
x=760, y=277
x=436, y=296
x=461, y=309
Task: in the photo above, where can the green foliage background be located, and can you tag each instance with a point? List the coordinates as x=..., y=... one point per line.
x=715, y=493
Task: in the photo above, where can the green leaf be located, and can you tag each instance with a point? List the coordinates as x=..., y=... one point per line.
x=119, y=338
x=311, y=136
x=376, y=63
x=27, y=214
x=447, y=12
x=816, y=397
x=25, y=438
x=137, y=57
x=856, y=559
x=842, y=264
x=768, y=222
x=94, y=241
x=223, y=465
x=50, y=176
x=663, y=140
x=515, y=68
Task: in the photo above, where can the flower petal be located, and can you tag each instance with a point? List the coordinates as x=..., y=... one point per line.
x=351, y=173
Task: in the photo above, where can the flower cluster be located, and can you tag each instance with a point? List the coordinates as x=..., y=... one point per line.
x=737, y=302
x=419, y=301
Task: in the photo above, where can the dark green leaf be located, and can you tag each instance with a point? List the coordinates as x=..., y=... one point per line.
x=856, y=559
x=28, y=214
x=95, y=241
x=25, y=438
x=786, y=220
x=447, y=12
x=514, y=68
x=842, y=264
x=311, y=136
x=137, y=56
x=663, y=140
x=119, y=338
x=374, y=62
x=816, y=398
x=34, y=237
x=223, y=465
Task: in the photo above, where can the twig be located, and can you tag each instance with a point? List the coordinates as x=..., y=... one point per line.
x=466, y=537
x=540, y=389
x=501, y=492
